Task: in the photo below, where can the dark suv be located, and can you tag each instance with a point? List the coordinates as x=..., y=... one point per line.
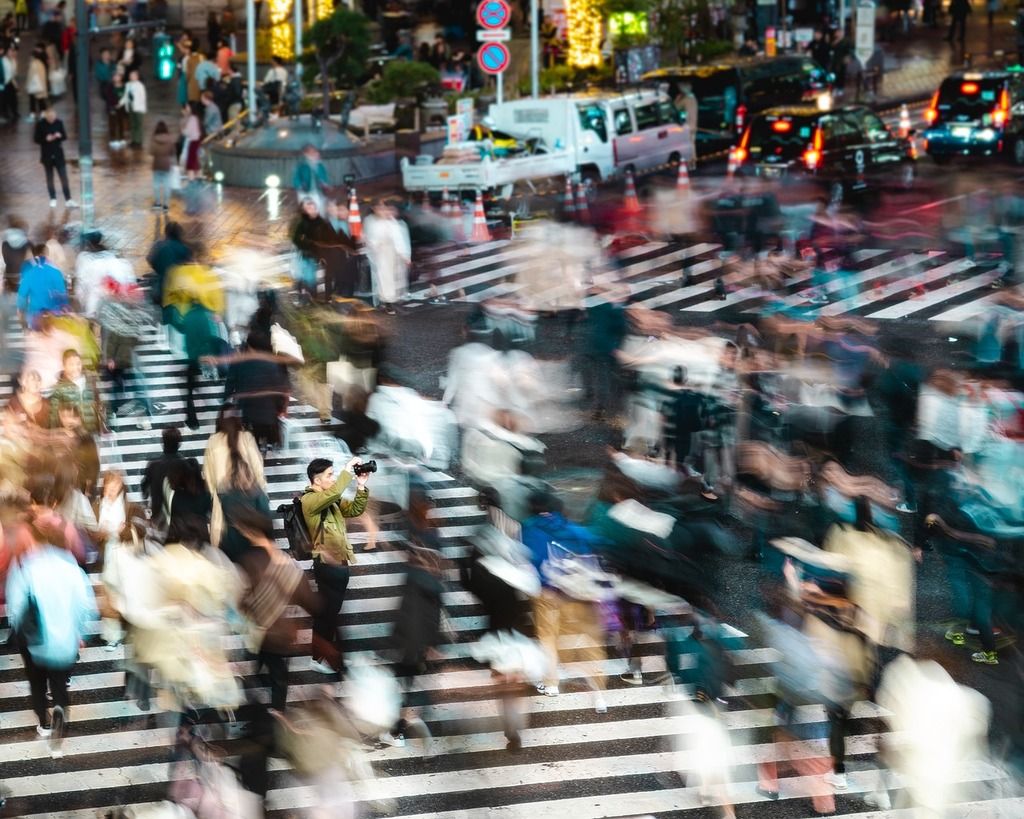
x=977, y=114
x=729, y=94
x=846, y=149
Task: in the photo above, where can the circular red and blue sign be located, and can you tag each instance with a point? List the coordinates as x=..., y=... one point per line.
x=493, y=14
x=493, y=58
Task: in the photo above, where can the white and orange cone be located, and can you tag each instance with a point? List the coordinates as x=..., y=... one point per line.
x=568, y=203
x=355, y=221
x=730, y=168
x=904, y=121
x=682, y=178
x=632, y=201
x=480, y=232
x=582, y=209
x=446, y=204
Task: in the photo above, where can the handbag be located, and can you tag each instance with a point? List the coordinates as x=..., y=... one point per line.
x=30, y=630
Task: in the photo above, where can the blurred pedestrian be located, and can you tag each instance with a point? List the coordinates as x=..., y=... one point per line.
x=309, y=233
x=213, y=122
x=169, y=252
x=156, y=473
x=50, y=605
x=389, y=250
x=37, y=84
x=310, y=179
x=192, y=131
x=41, y=290
x=162, y=148
x=8, y=82
x=958, y=11
x=117, y=114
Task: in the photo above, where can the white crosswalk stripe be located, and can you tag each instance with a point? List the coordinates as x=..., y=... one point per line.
x=889, y=285
x=573, y=762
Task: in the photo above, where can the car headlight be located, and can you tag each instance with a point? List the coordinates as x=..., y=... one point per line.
x=825, y=101
x=986, y=134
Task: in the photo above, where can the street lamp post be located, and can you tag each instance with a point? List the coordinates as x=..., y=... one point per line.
x=298, y=40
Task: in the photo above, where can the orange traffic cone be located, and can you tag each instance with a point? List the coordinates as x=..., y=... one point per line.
x=568, y=203
x=480, y=232
x=904, y=120
x=632, y=203
x=582, y=209
x=682, y=177
x=730, y=169
x=355, y=221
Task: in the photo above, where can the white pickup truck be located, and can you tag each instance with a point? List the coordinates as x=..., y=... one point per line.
x=593, y=135
x=487, y=173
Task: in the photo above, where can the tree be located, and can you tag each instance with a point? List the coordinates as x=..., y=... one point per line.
x=336, y=48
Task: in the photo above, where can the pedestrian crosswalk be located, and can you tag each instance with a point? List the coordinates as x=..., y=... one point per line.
x=886, y=284
x=574, y=761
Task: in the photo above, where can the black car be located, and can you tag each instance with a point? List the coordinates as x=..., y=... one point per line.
x=729, y=94
x=977, y=114
x=846, y=149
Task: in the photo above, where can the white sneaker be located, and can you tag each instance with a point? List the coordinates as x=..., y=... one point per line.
x=836, y=780
x=320, y=667
x=878, y=800
x=550, y=691
x=44, y=732
x=600, y=706
x=145, y=423
x=387, y=738
x=71, y=203
x=53, y=203
x=906, y=508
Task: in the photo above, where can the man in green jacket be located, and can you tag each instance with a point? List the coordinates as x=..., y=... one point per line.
x=324, y=512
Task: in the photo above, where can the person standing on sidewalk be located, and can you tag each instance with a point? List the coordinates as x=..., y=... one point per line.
x=49, y=136
x=324, y=512
x=958, y=11
x=35, y=83
x=162, y=149
x=8, y=82
x=134, y=102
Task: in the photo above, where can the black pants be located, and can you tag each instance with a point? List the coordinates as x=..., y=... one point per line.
x=62, y=172
x=36, y=105
x=332, y=583
x=39, y=677
x=9, y=101
x=838, y=727
x=277, y=674
x=957, y=24
x=191, y=379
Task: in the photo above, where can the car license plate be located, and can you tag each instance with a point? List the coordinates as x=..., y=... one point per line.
x=771, y=171
x=962, y=133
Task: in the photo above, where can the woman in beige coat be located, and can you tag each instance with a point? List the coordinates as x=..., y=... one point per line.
x=233, y=470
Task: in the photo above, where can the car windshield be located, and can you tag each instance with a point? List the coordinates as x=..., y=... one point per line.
x=592, y=119
x=965, y=100
x=780, y=138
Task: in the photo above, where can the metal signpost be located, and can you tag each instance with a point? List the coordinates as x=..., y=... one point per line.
x=493, y=17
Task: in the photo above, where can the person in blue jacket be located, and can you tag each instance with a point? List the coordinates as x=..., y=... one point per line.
x=49, y=604
x=42, y=289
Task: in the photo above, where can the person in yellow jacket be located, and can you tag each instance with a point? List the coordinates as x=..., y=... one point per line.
x=324, y=512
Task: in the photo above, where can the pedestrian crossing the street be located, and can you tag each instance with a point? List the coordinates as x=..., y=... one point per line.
x=884, y=284
x=574, y=761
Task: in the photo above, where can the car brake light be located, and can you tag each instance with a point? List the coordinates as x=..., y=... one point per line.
x=1002, y=113
x=812, y=156
x=741, y=116
x=782, y=126
x=969, y=88
x=739, y=154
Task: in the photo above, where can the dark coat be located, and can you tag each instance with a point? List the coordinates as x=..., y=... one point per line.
x=51, y=151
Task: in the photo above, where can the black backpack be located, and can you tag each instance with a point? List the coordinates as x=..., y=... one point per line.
x=299, y=540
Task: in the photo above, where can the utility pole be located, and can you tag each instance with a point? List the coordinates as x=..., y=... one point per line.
x=534, y=49
x=298, y=40
x=82, y=109
x=250, y=57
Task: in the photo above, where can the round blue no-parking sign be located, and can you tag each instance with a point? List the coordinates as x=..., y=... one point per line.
x=492, y=58
x=493, y=14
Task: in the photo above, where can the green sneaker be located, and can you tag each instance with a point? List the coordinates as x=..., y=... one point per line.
x=957, y=638
x=986, y=657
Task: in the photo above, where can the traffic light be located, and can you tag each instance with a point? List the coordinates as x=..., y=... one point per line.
x=163, y=50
